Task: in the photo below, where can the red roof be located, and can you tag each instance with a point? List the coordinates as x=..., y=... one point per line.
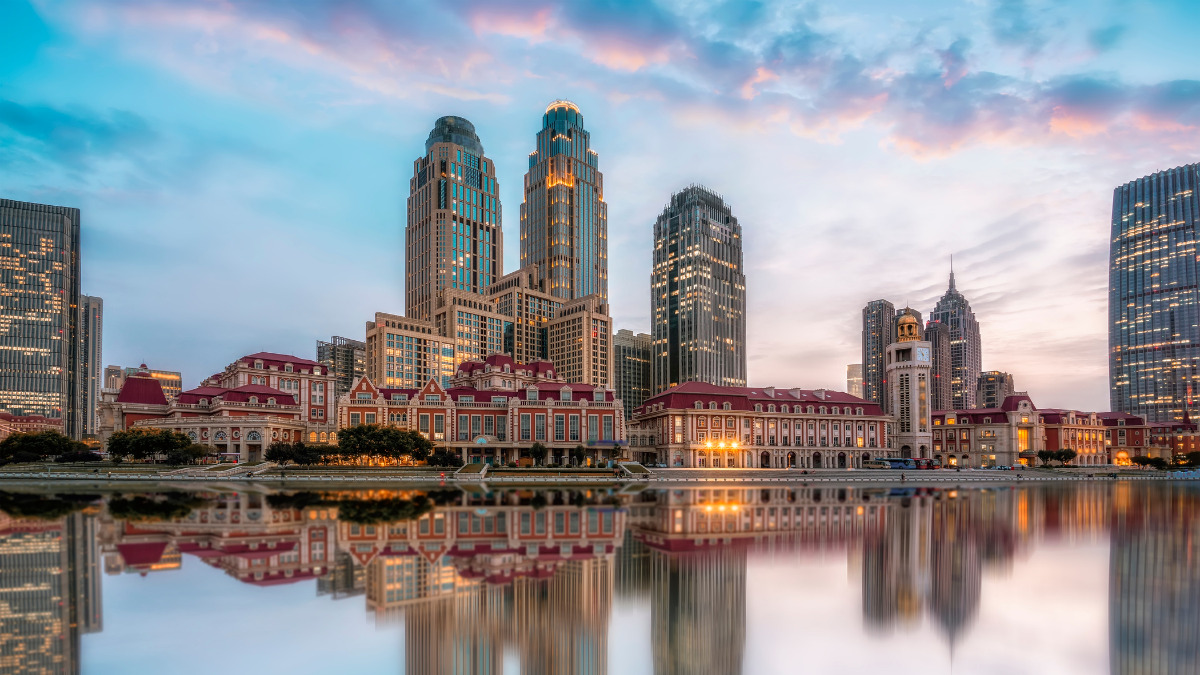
x=499, y=361
x=240, y=394
x=688, y=394
x=145, y=553
x=141, y=388
x=273, y=359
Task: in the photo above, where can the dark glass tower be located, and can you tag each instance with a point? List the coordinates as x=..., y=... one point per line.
x=966, y=353
x=698, y=293
x=564, y=220
x=39, y=312
x=879, y=331
x=938, y=337
x=453, y=238
x=1154, y=295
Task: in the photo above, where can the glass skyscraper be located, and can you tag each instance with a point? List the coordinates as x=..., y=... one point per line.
x=698, y=293
x=879, y=331
x=966, y=353
x=39, y=312
x=1154, y=295
x=564, y=220
x=631, y=368
x=91, y=335
x=453, y=238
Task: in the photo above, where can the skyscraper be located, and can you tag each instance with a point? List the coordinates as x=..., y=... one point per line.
x=938, y=336
x=1153, y=302
x=879, y=331
x=966, y=354
x=698, y=293
x=39, y=312
x=564, y=220
x=908, y=363
x=345, y=358
x=631, y=368
x=854, y=379
x=453, y=238
x=992, y=388
x=91, y=324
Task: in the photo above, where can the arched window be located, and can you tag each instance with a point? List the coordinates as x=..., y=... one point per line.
x=712, y=405
x=822, y=410
x=771, y=407
x=757, y=407
x=837, y=410
x=312, y=437
x=253, y=436
x=784, y=408
x=271, y=401
x=727, y=406
x=698, y=405
x=810, y=410
x=254, y=399
x=858, y=411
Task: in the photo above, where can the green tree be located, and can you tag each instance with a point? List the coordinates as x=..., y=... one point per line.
x=191, y=454
x=146, y=442
x=35, y=446
x=538, y=452
x=577, y=455
x=280, y=452
x=445, y=458
x=1047, y=456
x=1192, y=458
x=1158, y=463
x=1140, y=460
x=305, y=455
x=86, y=456
x=1065, y=456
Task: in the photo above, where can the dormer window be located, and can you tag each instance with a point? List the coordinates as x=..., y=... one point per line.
x=1120, y=423
x=499, y=399
x=727, y=406
x=254, y=399
x=810, y=410
x=203, y=401
x=598, y=395
x=987, y=420
x=771, y=407
x=699, y=405
x=271, y=401
x=757, y=407
x=836, y=410
x=858, y=411
x=564, y=394
x=466, y=399
x=363, y=396
x=287, y=368
x=258, y=364
x=531, y=394
x=712, y=405
x=783, y=408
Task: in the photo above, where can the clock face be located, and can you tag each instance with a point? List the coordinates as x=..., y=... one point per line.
x=922, y=353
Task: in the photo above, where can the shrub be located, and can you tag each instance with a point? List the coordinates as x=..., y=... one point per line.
x=78, y=457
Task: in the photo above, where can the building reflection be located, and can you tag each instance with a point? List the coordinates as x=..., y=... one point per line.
x=478, y=579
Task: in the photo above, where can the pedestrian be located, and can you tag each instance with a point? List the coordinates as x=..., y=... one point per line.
x=902, y=477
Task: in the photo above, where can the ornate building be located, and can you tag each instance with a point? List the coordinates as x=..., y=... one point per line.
x=453, y=238
x=564, y=220
x=909, y=372
x=698, y=293
x=981, y=437
x=706, y=426
x=965, y=350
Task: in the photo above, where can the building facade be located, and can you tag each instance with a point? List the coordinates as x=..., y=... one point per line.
x=345, y=358
x=1153, y=306
x=171, y=381
x=581, y=341
x=564, y=219
x=983, y=437
x=879, y=331
x=496, y=426
x=854, y=380
x=91, y=334
x=908, y=373
x=992, y=387
x=404, y=352
x=701, y=425
x=1096, y=438
x=631, y=368
x=453, y=237
x=966, y=354
x=698, y=293
x=39, y=319
x=938, y=336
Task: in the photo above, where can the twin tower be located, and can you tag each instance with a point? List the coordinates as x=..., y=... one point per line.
x=454, y=239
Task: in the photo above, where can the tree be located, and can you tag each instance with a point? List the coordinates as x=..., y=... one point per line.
x=305, y=455
x=445, y=458
x=1065, y=456
x=1046, y=456
x=1192, y=458
x=1158, y=463
x=146, y=442
x=537, y=452
x=188, y=455
x=73, y=456
x=577, y=454
x=280, y=452
x=1140, y=460
x=35, y=446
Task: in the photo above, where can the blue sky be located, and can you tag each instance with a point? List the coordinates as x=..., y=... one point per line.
x=243, y=167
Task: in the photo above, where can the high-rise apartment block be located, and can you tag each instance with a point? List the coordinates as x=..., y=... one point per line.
x=564, y=220
x=453, y=238
x=938, y=336
x=992, y=388
x=522, y=296
x=346, y=360
x=854, y=379
x=878, y=331
x=91, y=335
x=631, y=368
x=966, y=354
x=39, y=315
x=1153, y=304
x=406, y=353
x=698, y=293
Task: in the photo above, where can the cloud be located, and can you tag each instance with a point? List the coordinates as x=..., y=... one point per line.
x=1106, y=39
x=76, y=136
x=1013, y=24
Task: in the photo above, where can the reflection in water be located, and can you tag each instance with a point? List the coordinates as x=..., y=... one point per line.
x=478, y=579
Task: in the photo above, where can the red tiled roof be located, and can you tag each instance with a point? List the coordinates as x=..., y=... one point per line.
x=240, y=394
x=145, y=553
x=273, y=359
x=141, y=388
x=743, y=398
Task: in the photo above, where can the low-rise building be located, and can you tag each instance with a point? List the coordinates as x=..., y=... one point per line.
x=1175, y=438
x=708, y=426
x=27, y=424
x=1075, y=430
x=982, y=437
x=1127, y=436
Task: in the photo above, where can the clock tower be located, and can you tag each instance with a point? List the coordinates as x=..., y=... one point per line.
x=909, y=378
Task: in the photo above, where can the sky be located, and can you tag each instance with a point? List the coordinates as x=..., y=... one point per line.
x=242, y=167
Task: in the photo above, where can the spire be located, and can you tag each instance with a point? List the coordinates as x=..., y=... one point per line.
x=952, y=272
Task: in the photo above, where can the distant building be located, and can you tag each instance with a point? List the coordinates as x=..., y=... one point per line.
x=27, y=424
x=39, y=318
x=1153, y=333
x=564, y=220
x=453, y=239
x=908, y=364
x=878, y=331
x=405, y=352
x=580, y=341
x=938, y=336
x=631, y=368
x=91, y=332
x=854, y=379
x=701, y=425
x=171, y=381
x=1004, y=436
x=965, y=350
x=345, y=358
x=698, y=293
x=992, y=387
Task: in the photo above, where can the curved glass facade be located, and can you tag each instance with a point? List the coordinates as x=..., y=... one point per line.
x=1153, y=299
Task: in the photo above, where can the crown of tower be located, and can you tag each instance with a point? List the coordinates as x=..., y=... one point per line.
x=908, y=329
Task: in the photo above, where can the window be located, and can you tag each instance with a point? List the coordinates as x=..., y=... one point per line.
x=593, y=427
x=607, y=428
x=525, y=431
x=598, y=395
x=560, y=427
x=727, y=406
x=355, y=418
x=423, y=423
x=466, y=399
x=564, y=394
x=757, y=407
x=574, y=428
x=369, y=418
x=712, y=405
x=539, y=427
x=433, y=397
x=363, y=396
x=531, y=394
x=254, y=399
